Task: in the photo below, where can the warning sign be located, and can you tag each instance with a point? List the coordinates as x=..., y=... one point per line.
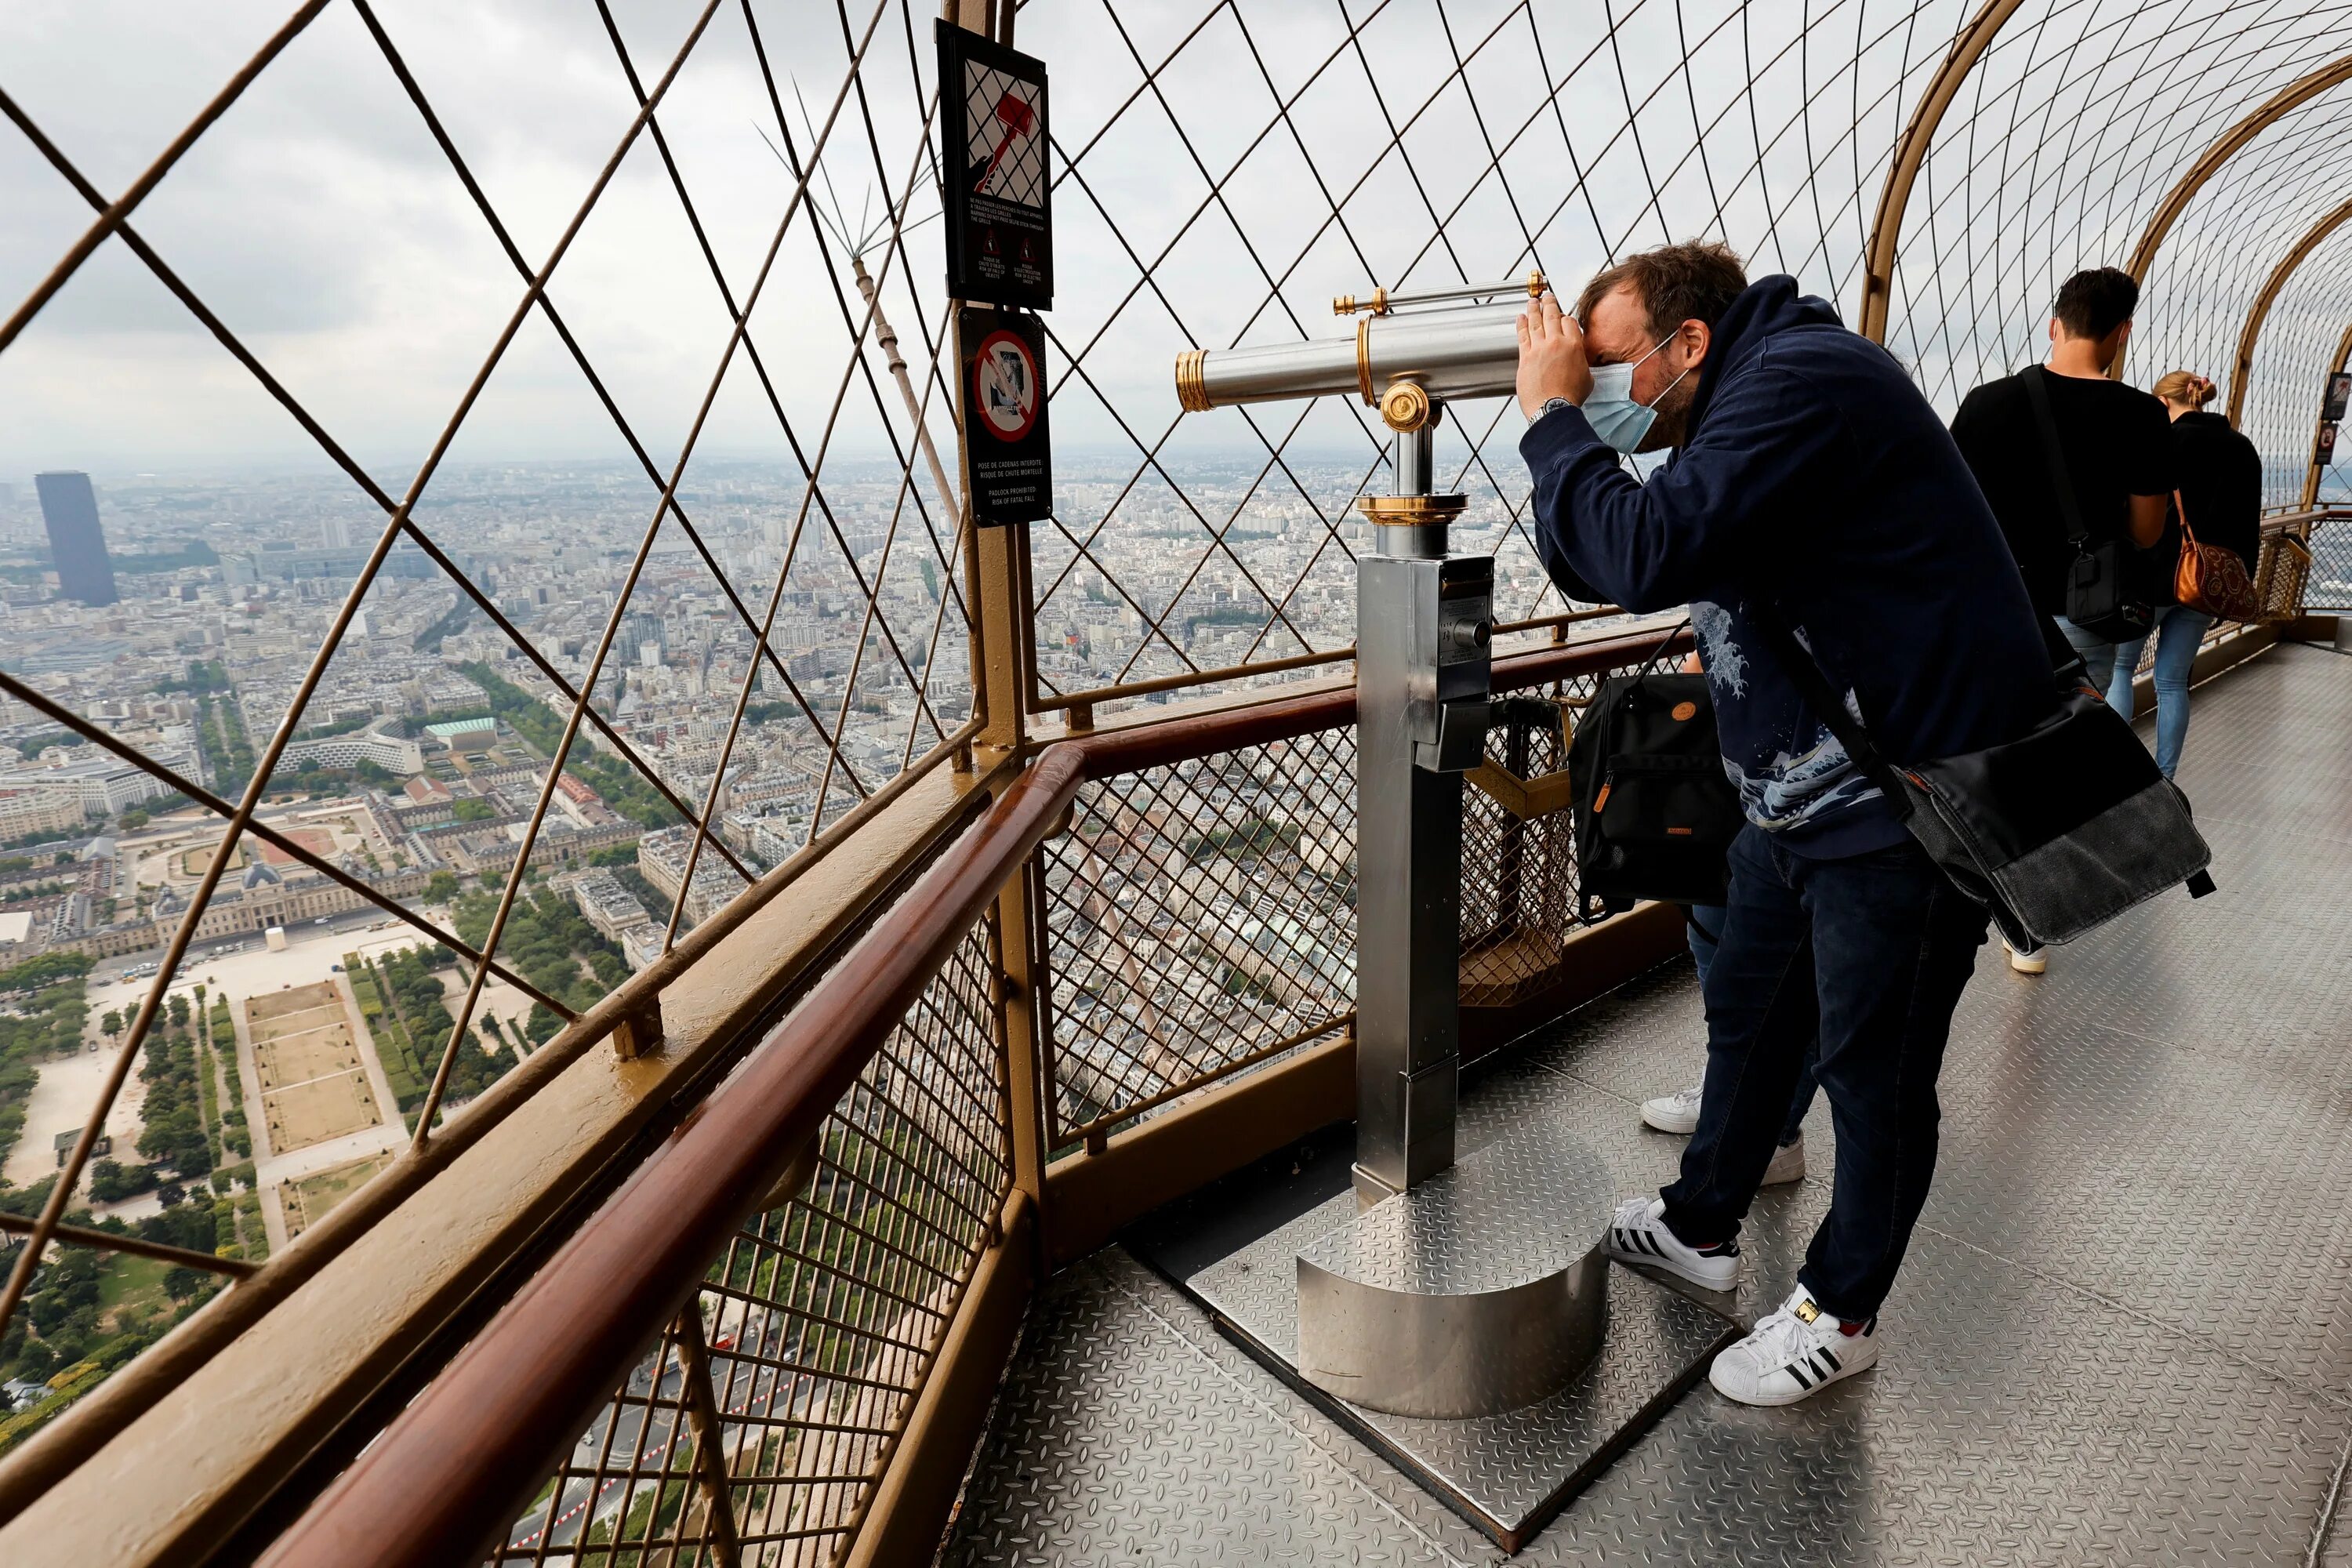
x=1005, y=445
x=999, y=195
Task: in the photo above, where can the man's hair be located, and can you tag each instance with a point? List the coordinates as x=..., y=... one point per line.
x=1696, y=280
x=2093, y=303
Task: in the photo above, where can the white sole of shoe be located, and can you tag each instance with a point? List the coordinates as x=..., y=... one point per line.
x=1727, y=1280
x=1788, y=1165
x=1667, y=1121
x=1796, y=1396
x=2028, y=962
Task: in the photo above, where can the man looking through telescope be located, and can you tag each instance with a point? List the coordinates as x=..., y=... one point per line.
x=1811, y=494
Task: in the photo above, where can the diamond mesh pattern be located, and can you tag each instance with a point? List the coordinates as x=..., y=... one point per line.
x=1199, y=919
x=821, y=1319
x=696, y=650
x=1293, y=152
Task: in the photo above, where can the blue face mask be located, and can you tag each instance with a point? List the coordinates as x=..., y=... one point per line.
x=1615, y=417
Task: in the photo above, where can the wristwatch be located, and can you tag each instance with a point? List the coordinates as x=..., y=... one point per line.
x=1551, y=406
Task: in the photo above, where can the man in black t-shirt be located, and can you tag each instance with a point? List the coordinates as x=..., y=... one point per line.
x=2117, y=440
x=2118, y=449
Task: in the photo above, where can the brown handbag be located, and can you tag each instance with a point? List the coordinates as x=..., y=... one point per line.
x=2211, y=578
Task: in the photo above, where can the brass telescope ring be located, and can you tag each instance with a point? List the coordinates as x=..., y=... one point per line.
x=1412, y=512
x=1192, y=386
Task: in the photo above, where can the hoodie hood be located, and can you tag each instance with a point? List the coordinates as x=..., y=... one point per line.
x=1766, y=307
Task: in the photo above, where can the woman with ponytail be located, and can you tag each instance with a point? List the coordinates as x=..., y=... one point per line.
x=2221, y=488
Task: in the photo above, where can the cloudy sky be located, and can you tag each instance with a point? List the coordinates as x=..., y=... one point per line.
x=323, y=224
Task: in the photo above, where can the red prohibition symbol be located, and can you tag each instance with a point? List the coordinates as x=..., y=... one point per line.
x=1004, y=387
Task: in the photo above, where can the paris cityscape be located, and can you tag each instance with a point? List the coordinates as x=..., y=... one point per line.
x=180, y=615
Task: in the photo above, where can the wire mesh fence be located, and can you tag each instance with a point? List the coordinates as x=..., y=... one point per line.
x=811, y=1335
x=1226, y=168
x=545, y=717
x=1198, y=919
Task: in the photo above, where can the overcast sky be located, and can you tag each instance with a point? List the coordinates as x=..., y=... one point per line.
x=322, y=224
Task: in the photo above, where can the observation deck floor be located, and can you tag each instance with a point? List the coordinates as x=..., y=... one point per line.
x=2124, y=1333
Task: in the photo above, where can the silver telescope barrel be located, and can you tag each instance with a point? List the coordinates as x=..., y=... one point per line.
x=1471, y=350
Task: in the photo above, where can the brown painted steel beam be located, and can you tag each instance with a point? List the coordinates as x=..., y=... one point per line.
x=2293, y=95
x=2251, y=334
x=1910, y=153
x=2296, y=93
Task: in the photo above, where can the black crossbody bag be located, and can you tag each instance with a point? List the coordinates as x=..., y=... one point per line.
x=2103, y=595
x=2056, y=832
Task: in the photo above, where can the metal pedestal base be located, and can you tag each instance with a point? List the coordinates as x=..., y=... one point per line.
x=1480, y=1290
x=1509, y=1472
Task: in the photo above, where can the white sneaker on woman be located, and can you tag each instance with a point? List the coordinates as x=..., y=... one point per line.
x=1637, y=1234
x=2033, y=963
x=1794, y=1353
x=1676, y=1112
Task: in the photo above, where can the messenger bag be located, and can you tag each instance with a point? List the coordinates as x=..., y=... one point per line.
x=2055, y=832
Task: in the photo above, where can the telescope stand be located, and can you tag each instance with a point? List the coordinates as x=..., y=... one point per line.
x=1458, y=1317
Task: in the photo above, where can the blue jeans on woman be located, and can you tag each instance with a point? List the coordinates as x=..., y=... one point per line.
x=2179, y=631
x=1704, y=928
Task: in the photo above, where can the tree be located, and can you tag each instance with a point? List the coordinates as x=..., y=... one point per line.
x=181, y=1282
x=174, y=1195
x=111, y=1023
x=442, y=887
x=543, y=1025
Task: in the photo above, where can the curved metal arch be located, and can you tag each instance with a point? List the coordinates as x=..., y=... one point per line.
x=2310, y=478
x=2251, y=334
x=1910, y=153
x=2230, y=142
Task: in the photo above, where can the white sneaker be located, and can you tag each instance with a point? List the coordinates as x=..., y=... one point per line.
x=1637, y=1235
x=1676, y=1112
x=1788, y=1163
x=2033, y=963
x=1796, y=1352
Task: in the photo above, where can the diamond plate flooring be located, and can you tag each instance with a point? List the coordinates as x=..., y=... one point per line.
x=2123, y=1335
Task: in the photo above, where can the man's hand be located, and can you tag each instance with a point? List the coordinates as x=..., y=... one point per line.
x=1551, y=357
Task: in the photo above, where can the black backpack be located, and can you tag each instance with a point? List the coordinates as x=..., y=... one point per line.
x=1655, y=813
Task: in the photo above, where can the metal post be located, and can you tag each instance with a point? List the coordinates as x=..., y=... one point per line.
x=1423, y=622
x=710, y=1433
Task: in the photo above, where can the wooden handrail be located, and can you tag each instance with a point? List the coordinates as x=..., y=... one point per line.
x=459, y=1461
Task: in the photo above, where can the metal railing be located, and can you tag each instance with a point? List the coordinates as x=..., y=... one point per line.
x=793, y=1255
x=1200, y=917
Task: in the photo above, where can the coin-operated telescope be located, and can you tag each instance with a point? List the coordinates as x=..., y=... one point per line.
x=1423, y=623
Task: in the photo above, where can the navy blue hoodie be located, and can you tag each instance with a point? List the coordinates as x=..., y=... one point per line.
x=1813, y=477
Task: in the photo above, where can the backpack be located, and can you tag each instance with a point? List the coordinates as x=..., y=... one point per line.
x=1655, y=811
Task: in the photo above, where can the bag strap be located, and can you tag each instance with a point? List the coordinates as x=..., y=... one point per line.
x=1659, y=652
x=2070, y=510
x=1814, y=687
x=2180, y=510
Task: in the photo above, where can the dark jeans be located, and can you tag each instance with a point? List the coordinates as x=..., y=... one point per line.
x=1702, y=920
x=1869, y=954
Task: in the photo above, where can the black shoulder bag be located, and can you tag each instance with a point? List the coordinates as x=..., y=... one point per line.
x=2104, y=595
x=1655, y=811
x=2056, y=832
